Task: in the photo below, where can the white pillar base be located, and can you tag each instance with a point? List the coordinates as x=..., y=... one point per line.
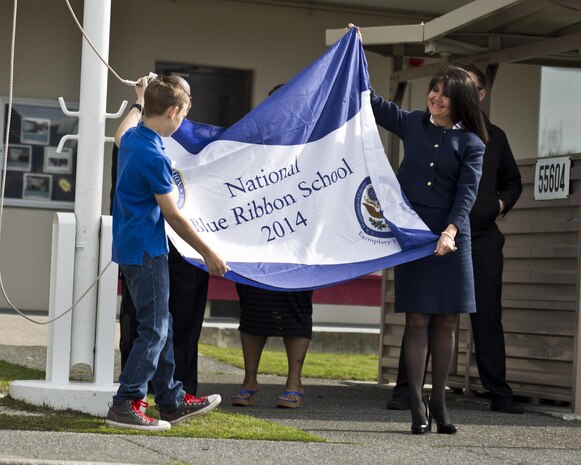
x=90, y=398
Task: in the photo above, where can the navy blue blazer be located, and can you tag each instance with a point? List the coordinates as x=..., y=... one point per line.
x=441, y=167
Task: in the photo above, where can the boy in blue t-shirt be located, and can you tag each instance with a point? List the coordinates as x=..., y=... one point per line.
x=144, y=199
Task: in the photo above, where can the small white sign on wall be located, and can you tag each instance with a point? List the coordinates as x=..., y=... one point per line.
x=552, y=176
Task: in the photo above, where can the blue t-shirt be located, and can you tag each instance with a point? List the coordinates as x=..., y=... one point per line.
x=142, y=171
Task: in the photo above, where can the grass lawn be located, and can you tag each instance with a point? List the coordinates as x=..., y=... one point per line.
x=356, y=367
x=217, y=424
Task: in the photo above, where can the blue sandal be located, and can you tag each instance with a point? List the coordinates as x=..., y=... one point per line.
x=244, y=398
x=289, y=399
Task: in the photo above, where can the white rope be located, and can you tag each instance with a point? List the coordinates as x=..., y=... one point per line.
x=2, y=190
x=68, y=310
x=8, y=120
x=124, y=81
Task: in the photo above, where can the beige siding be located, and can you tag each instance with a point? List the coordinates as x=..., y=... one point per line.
x=540, y=299
x=274, y=42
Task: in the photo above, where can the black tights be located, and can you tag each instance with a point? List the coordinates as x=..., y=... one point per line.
x=416, y=353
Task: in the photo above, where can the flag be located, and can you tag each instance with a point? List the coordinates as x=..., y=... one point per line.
x=299, y=193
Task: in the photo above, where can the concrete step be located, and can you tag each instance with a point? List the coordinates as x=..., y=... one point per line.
x=333, y=338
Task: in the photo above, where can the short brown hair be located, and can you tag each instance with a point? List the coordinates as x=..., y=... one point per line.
x=472, y=68
x=162, y=93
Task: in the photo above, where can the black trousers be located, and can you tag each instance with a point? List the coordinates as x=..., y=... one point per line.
x=486, y=323
x=487, y=330
x=187, y=304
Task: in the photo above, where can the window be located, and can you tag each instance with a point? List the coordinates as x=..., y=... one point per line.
x=560, y=118
x=220, y=96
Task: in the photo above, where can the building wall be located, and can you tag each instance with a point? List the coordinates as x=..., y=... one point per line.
x=47, y=66
x=273, y=42
x=515, y=106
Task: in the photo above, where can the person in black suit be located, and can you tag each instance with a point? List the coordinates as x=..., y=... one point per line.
x=499, y=189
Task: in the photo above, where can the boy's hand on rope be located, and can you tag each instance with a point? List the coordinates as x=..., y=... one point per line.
x=140, y=89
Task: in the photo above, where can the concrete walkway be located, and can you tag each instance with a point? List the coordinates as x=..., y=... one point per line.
x=350, y=416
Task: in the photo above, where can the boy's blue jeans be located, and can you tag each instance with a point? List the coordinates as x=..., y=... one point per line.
x=152, y=355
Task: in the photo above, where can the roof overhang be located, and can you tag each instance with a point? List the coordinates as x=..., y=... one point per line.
x=545, y=32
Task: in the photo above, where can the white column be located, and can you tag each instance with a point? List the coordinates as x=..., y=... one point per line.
x=56, y=391
x=61, y=298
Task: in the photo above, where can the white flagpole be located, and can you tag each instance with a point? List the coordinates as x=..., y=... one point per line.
x=93, y=98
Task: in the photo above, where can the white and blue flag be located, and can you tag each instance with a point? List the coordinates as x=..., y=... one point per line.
x=299, y=193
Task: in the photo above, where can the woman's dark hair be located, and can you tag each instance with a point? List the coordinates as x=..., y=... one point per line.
x=464, y=102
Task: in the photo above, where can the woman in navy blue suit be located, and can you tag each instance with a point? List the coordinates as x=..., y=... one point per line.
x=439, y=174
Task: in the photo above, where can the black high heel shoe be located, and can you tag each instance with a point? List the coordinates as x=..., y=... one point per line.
x=426, y=427
x=441, y=427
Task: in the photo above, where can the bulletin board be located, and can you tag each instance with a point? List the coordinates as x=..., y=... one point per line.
x=36, y=175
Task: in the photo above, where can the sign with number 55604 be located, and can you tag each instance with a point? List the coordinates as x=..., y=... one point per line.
x=552, y=178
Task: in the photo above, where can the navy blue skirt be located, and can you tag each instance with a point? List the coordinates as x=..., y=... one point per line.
x=437, y=284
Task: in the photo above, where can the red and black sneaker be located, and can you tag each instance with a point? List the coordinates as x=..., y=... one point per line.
x=190, y=406
x=128, y=414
